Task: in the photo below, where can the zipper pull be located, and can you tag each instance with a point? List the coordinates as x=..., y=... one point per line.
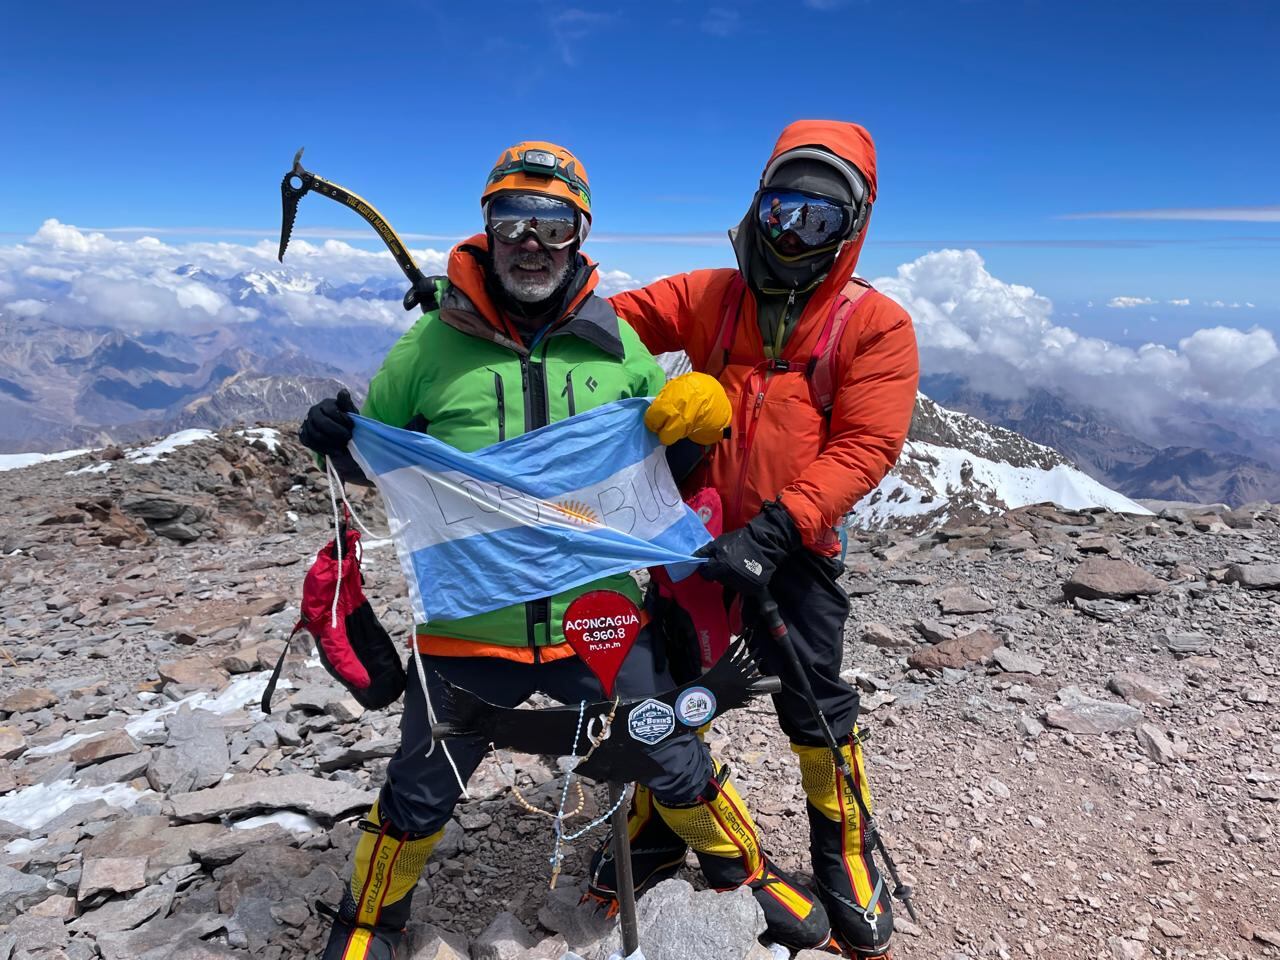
x=745, y=434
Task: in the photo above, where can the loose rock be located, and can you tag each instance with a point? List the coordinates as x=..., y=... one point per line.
x=1082, y=714
x=1099, y=578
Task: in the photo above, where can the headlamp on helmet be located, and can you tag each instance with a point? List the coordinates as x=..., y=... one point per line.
x=539, y=161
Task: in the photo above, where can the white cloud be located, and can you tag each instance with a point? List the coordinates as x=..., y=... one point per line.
x=1001, y=337
x=571, y=26
x=83, y=278
x=721, y=21
x=614, y=281
x=26, y=308
x=1263, y=213
x=1126, y=303
x=1179, y=303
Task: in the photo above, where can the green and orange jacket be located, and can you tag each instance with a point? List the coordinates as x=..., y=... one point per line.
x=463, y=375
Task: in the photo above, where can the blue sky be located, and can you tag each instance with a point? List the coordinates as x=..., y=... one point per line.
x=995, y=122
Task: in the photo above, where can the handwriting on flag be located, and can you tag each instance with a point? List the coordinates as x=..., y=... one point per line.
x=623, y=504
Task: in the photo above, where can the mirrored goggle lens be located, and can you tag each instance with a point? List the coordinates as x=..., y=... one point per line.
x=813, y=221
x=512, y=216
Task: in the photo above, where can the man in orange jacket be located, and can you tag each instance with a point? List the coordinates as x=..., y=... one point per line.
x=822, y=372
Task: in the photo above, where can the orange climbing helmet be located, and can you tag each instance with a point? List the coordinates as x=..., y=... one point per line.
x=536, y=166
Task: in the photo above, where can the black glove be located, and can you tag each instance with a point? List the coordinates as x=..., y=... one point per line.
x=327, y=429
x=745, y=559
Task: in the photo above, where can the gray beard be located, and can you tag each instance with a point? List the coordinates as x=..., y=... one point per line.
x=529, y=288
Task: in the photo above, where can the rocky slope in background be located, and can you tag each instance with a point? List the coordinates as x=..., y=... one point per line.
x=1074, y=737
x=67, y=388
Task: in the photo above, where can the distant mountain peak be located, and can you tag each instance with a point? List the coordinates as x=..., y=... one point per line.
x=956, y=466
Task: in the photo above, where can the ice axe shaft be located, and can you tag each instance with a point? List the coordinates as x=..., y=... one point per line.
x=622, y=864
x=782, y=636
x=298, y=182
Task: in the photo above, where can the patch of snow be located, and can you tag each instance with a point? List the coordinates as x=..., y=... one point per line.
x=268, y=435
x=992, y=484
x=22, y=845
x=16, y=461
x=293, y=822
x=153, y=452
x=91, y=468
x=34, y=806
x=243, y=690
x=291, y=516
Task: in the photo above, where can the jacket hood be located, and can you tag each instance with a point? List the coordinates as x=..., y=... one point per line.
x=468, y=272
x=848, y=141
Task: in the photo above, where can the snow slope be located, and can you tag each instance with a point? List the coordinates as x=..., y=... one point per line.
x=16, y=461
x=978, y=469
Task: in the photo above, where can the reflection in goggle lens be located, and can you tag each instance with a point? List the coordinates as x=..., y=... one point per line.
x=514, y=215
x=800, y=220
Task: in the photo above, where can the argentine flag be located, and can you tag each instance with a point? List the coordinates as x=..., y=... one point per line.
x=529, y=517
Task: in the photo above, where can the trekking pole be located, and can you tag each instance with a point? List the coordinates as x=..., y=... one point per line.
x=778, y=630
x=626, y=881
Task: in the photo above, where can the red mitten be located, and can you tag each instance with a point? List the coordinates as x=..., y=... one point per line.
x=353, y=646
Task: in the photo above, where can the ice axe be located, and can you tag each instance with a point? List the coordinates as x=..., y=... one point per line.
x=298, y=182
x=782, y=636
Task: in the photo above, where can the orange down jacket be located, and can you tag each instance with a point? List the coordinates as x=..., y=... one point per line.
x=782, y=445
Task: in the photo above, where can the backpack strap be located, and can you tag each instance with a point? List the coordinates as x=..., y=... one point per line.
x=730, y=311
x=820, y=370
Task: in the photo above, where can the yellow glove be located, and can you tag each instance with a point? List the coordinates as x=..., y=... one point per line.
x=692, y=406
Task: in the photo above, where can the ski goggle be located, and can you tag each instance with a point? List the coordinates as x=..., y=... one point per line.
x=801, y=223
x=513, y=216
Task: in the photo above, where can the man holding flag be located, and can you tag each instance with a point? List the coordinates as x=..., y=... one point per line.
x=518, y=341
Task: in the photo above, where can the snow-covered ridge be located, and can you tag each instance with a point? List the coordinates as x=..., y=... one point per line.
x=16, y=461
x=985, y=469
x=148, y=453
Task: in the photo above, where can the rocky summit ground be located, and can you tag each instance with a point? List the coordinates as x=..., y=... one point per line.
x=1074, y=717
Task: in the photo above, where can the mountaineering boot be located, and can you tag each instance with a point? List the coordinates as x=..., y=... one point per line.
x=657, y=853
x=724, y=837
x=857, y=900
x=375, y=906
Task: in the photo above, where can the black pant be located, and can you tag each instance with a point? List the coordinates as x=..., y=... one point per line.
x=421, y=791
x=814, y=607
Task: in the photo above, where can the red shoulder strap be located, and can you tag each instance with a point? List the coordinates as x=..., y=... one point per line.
x=730, y=311
x=821, y=368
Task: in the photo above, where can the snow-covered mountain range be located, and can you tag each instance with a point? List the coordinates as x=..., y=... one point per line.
x=69, y=385
x=955, y=466
x=1193, y=456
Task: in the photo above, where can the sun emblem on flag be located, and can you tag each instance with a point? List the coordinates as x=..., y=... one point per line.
x=577, y=511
